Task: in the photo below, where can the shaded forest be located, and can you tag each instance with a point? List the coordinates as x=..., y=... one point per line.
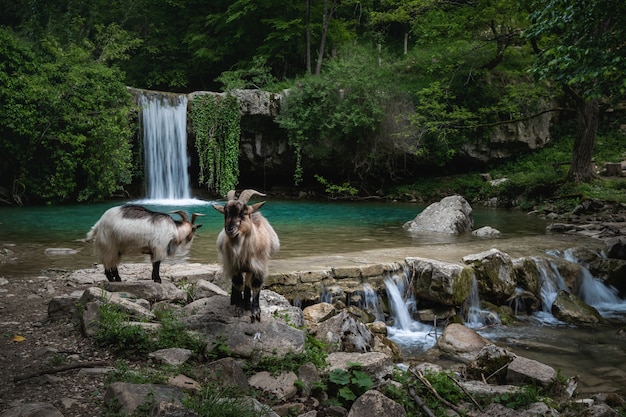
x=446, y=71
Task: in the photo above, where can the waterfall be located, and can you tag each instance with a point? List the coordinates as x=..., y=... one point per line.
x=475, y=317
x=371, y=302
x=409, y=334
x=550, y=283
x=594, y=292
x=164, y=121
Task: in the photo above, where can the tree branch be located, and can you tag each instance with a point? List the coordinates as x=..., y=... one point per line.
x=63, y=368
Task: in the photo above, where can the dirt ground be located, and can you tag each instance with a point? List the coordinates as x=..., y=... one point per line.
x=31, y=344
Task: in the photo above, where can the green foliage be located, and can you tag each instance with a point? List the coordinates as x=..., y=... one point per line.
x=216, y=124
x=257, y=76
x=336, y=116
x=67, y=135
x=115, y=333
x=215, y=401
x=346, y=386
x=335, y=190
x=519, y=401
x=583, y=45
x=314, y=352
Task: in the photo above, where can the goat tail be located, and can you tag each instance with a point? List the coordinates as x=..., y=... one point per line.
x=91, y=235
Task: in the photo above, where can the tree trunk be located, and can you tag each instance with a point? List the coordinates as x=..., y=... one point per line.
x=328, y=14
x=587, y=114
x=308, y=37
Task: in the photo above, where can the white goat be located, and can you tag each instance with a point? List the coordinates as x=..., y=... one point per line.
x=135, y=229
x=245, y=246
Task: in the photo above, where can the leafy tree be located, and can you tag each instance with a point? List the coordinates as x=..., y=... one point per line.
x=585, y=53
x=67, y=135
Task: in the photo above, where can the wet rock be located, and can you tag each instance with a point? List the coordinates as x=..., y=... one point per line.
x=571, y=309
x=486, y=232
x=451, y=215
x=442, y=282
x=616, y=248
x=374, y=403
x=461, y=343
x=494, y=273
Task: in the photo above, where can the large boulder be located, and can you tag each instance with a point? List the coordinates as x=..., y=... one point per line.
x=217, y=321
x=494, y=273
x=451, y=215
x=344, y=333
x=442, y=282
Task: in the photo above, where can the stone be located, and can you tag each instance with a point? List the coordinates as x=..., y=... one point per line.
x=32, y=410
x=281, y=386
x=527, y=371
x=215, y=319
x=171, y=356
x=486, y=232
x=308, y=376
x=185, y=383
x=374, y=403
x=149, y=290
x=451, y=215
x=495, y=274
x=376, y=364
x=571, y=309
x=344, y=333
x=318, y=313
x=128, y=397
x=441, y=282
x=114, y=298
x=64, y=306
x=205, y=289
x=227, y=372
x=460, y=343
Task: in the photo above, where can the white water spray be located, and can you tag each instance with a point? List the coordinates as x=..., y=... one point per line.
x=406, y=332
x=475, y=316
x=594, y=292
x=371, y=302
x=164, y=119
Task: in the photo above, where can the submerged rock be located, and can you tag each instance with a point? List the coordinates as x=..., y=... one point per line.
x=452, y=215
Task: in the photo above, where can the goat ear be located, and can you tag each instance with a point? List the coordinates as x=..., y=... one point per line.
x=218, y=208
x=255, y=207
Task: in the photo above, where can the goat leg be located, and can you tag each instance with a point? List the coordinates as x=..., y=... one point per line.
x=109, y=274
x=236, y=297
x=116, y=275
x=155, y=271
x=255, y=309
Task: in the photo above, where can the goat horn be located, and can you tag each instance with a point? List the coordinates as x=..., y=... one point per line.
x=246, y=194
x=182, y=214
x=193, y=217
x=231, y=195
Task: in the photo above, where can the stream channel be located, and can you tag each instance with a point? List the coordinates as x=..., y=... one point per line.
x=51, y=237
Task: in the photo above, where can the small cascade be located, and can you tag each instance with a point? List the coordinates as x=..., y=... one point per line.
x=550, y=283
x=409, y=334
x=164, y=122
x=595, y=293
x=475, y=317
x=372, y=303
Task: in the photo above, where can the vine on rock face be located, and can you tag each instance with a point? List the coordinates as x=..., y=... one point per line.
x=216, y=124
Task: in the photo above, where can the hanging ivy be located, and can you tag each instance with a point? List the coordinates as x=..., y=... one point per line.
x=216, y=122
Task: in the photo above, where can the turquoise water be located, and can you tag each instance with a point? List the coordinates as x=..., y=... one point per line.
x=304, y=227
